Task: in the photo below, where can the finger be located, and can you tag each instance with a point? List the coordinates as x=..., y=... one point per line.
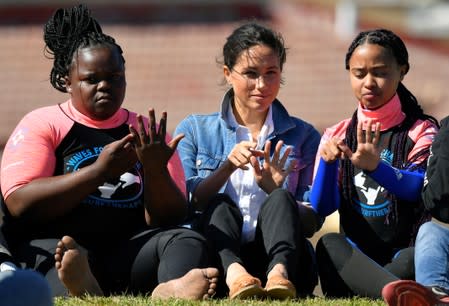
x=345, y=151
x=369, y=131
x=376, y=138
x=173, y=144
x=256, y=153
x=244, y=154
x=247, y=145
x=284, y=157
x=163, y=126
x=142, y=132
x=242, y=161
x=125, y=140
x=360, y=132
x=136, y=137
x=277, y=152
x=267, y=151
x=256, y=165
x=151, y=125
x=239, y=161
x=291, y=166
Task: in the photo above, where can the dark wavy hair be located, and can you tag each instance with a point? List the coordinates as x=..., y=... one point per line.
x=252, y=34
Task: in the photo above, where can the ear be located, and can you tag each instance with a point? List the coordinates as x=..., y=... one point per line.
x=227, y=74
x=403, y=71
x=68, y=85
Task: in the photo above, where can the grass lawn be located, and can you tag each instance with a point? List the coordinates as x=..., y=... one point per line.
x=140, y=301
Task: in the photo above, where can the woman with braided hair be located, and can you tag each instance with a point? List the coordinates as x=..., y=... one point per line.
x=93, y=192
x=371, y=170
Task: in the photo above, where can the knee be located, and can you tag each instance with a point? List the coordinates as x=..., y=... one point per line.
x=431, y=234
x=331, y=240
x=280, y=198
x=26, y=287
x=280, y=193
x=191, y=235
x=333, y=247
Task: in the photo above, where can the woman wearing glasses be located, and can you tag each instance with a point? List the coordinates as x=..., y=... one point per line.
x=247, y=168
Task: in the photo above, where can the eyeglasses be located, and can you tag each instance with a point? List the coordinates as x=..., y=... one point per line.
x=253, y=77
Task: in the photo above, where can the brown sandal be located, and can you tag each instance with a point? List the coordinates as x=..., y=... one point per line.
x=246, y=286
x=280, y=288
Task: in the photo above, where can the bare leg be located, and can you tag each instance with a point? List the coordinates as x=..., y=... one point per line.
x=196, y=284
x=73, y=268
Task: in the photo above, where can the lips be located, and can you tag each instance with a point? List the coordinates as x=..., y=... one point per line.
x=104, y=99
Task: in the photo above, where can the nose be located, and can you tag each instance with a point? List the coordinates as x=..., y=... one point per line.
x=370, y=81
x=103, y=84
x=260, y=82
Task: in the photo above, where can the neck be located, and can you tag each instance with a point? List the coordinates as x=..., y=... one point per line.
x=251, y=119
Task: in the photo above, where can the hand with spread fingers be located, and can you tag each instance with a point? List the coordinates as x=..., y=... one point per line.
x=151, y=147
x=367, y=155
x=272, y=173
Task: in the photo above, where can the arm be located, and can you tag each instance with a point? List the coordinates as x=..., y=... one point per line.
x=46, y=198
x=207, y=188
x=203, y=187
x=307, y=160
x=210, y=185
x=165, y=203
x=28, y=165
x=406, y=185
x=325, y=194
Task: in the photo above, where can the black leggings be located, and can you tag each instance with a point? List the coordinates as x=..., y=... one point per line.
x=134, y=266
x=345, y=271
x=278, y=239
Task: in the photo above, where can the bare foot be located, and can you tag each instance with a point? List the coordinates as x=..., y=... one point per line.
x=73, y=268
x=196, y=284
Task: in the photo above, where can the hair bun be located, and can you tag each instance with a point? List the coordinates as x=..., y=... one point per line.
x=67, y=26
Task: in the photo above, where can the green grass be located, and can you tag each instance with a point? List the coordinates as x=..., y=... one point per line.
x=141, y=301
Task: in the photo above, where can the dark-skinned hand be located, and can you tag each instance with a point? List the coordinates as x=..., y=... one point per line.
x=150, y=146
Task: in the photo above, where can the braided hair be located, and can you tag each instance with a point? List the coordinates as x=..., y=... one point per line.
x=67, y=31
x=409, y=105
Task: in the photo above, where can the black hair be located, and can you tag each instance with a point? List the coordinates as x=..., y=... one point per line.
x=248, y=35
x=409, y=105
x=68, y=30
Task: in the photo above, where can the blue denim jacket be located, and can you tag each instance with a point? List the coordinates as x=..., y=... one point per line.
x=209, y=139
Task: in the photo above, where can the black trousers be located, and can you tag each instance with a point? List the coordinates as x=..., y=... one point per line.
x=345, y=271
x=278, y=239
x=134, y=266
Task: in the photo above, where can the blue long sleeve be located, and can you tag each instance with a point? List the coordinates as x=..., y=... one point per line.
x=325, y=196
x=404, y=184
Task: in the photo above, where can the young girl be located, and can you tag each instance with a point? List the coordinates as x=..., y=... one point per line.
x=371, y=169
x=89, y=191
x=260, y=161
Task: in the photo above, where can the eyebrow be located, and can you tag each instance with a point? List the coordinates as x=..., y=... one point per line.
x=256, y=68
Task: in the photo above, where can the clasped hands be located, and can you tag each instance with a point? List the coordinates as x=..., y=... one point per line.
x=367, y=154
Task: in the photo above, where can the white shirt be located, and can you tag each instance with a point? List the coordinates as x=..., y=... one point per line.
x=242, y=186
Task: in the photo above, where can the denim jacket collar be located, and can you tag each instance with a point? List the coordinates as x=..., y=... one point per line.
x=281, y=119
